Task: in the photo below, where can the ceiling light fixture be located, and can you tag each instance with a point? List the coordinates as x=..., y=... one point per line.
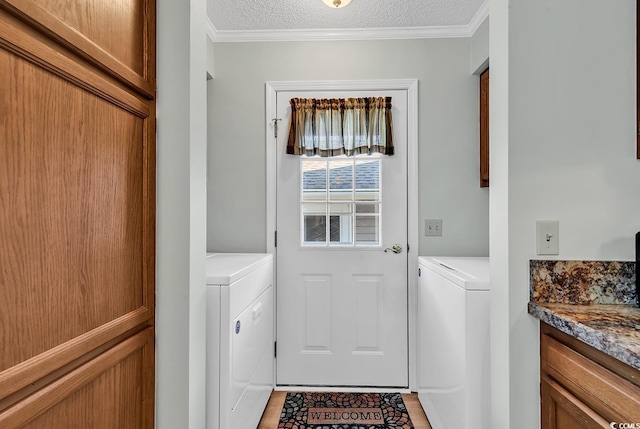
x=336, y=3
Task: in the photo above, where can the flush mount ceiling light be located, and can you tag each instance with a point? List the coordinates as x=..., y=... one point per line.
x=336, y=3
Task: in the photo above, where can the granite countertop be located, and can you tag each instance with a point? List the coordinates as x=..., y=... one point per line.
x=611, y=328
x=593, y=301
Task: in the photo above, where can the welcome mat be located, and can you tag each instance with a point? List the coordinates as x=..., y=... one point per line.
x=335, y=410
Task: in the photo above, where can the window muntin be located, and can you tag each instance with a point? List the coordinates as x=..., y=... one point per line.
x=334, y=212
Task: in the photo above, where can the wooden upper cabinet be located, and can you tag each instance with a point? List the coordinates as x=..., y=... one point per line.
x=484, y=129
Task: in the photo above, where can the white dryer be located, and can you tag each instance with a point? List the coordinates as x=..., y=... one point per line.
x=453, y=317
x=240, y=339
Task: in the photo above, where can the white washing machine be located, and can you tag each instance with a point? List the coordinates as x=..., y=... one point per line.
x=240, y=339
x=453, y=317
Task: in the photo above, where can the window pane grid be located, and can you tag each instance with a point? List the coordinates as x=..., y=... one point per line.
x=340, y=201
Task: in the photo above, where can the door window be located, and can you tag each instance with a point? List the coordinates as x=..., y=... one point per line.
x=340, y=200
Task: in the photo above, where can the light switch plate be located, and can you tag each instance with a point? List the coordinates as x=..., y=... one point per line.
x=433, y=227
x=548, y=237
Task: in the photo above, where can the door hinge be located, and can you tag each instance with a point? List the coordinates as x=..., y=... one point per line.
x=275, y=349
x=408, y=248
x=275, y=126
x=275, y=238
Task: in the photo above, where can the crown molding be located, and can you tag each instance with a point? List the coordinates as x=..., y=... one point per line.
x=328, y=34
x=211, y=30
x=341, y=34
x=481, y=15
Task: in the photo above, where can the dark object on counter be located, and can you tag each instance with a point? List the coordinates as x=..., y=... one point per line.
x=638, y=268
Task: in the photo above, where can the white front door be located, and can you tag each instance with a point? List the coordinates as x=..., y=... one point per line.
x=341, y=299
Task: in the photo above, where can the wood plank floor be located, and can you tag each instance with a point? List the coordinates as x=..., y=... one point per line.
x=271, y=414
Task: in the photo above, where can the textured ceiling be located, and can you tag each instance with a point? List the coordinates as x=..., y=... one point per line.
x=241, y=15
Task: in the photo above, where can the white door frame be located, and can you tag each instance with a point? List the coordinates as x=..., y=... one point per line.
x=411, y=86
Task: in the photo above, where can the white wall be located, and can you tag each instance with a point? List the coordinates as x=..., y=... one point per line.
x=480, y=48
x=181, y=215
x=562, y=147
x=448, y=134
x=210, y=57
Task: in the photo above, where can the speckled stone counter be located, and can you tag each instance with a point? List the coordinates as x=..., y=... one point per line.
x=611, y=328
x=593, y=301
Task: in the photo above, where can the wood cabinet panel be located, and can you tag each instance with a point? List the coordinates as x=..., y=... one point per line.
x=77, y=219
x=19, y=380
x=114, y=35
x=72, y=203
x=561, y=410
x=103, y=393
x=607, y=393
x=583, y=387
x=114, y=25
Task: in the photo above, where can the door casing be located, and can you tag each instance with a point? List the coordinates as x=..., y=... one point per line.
x=409, y=85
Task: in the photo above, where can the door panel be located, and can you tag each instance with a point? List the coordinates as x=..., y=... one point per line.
x=318, y=328
x=77, y=209
x=342, y=307
x=368, y=292
x=103, y=393
x=114, y=35
x=17, y=381
x=121, y=38
x=91, y=171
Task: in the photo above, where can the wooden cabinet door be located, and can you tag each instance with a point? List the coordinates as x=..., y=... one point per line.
x=561, y=410
x=77, y=210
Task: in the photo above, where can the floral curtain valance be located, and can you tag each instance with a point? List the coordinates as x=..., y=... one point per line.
x=339, y=126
